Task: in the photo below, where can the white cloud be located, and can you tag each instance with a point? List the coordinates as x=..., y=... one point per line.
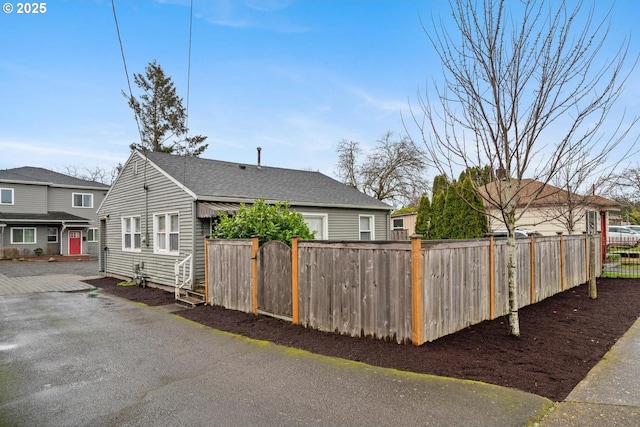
x=25, y=153
x=384, y=105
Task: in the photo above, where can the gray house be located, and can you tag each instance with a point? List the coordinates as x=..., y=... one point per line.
x=47, y=210
x=161, y=206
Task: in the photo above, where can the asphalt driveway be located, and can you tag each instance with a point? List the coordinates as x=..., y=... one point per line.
x=10, y=268
x=19, y=278
x=69, y=359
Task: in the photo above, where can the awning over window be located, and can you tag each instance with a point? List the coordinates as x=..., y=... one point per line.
x=213, y=209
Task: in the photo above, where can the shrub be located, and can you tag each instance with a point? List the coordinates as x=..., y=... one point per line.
x=38, y=251
x=10, y=253
x=267, y=222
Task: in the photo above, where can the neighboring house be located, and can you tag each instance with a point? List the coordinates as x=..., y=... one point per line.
x=549, y=206
x=42, y=209
x=161, y=206
x=403, y=225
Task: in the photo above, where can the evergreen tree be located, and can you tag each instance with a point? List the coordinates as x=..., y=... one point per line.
x=471, y=214
x=161, y=117
x=451, y=226
x=479, y=176
x=440, y=185
x=437, y=224
x=457, y=210
x=424, y=216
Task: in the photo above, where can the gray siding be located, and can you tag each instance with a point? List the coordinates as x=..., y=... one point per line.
x=128, y=197
x=31, y=199
x=26, y=249
x=343, y=224
x=60, y=200
x=61, y=247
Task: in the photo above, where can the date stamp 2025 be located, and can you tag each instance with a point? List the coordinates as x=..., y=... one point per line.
x=25, y=8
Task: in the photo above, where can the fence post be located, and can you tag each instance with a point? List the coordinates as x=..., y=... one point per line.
x=255, y=244
x=559, y=233
x=206, y=270
x=586, y=255
x=532, y=267
x=492, y=278
x=295, y=312
x=416, y=289
x=593, y=291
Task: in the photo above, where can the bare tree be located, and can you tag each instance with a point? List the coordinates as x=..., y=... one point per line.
x=627, y=184
x=392, y=172
x=347, y=170
x=524, y=90
x=96, y=174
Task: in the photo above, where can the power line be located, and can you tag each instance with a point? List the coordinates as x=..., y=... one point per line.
x=126, y=72
x=189, y=62
x=186, y=120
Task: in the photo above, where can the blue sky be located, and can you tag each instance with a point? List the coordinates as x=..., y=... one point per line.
x=293, y=77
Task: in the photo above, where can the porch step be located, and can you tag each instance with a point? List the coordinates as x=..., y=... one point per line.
x=190, y=299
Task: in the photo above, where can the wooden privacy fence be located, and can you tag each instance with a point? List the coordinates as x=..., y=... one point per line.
x=414, y=291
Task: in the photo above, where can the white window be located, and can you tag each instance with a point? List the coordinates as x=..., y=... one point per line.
x=82, y=200
x=317, y=223
x=591, y=222
x=23, y=235
x=52, y=235
x=131, y=233
x=366, y=228
x=167, y=233
x=93, y=235
x=6, y=196
x=398, y=223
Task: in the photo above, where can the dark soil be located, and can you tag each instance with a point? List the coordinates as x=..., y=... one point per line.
x=562, y=338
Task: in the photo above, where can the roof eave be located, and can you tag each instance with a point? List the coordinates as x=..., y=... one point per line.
x=292, y=203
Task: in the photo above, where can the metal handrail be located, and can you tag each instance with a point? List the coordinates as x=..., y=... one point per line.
x=181, y=269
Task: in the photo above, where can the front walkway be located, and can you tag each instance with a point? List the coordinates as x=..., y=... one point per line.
x=50, y=283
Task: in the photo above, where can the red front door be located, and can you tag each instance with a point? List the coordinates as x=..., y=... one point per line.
x=75, y=242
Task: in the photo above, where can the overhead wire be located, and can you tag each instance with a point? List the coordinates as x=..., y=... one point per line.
x=186, y=120
x=189, y=63
x=124, y=62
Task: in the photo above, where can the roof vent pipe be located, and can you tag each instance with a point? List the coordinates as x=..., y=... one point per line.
x=259, y=150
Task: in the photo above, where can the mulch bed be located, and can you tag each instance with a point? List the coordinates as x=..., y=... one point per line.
x=562, y=338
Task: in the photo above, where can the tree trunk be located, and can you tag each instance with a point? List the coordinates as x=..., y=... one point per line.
x=593, y=291
x=514, y=322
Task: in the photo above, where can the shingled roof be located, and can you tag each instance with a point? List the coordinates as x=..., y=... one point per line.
x=29, y=174
x=214, y=180
x=52, y=217
x=536, y=193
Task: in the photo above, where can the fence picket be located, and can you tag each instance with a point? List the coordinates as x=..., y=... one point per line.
x=365, y=288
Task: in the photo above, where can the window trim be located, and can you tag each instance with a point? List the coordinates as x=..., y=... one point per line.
x=73, y=200
x=35, y=236
x=167, y=234
x=133, y=233
x=95, y=233
x=325, y=223
x=13, y=200
x=57, y=236
x=372, y=227
x=393, y=227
